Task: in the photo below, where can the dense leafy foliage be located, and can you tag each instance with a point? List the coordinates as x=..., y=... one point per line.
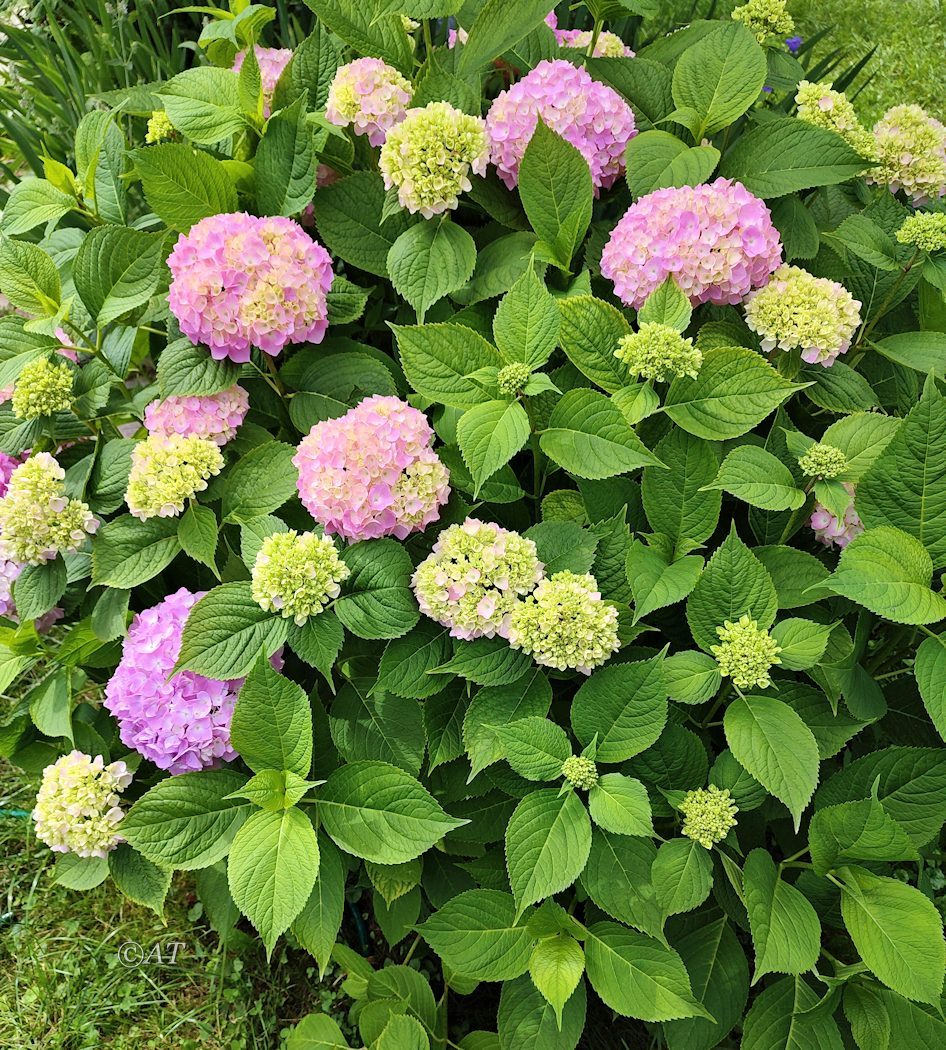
x=529, y=530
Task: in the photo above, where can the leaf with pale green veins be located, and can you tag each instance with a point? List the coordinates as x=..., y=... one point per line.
x=489, y=435
x=683, y=875
x=430, y=260
x=758, y=478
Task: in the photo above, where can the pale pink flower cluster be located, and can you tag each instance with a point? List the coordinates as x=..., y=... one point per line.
x=372, y=471
x=592, y=117
x=9, y=571
x=717, y=242
x=833, y=531
x=370, y=95
x=608, y=45
x=240, y=281
x=214, y=416
x=272, y=61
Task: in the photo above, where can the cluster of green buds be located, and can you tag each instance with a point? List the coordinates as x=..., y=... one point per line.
x=709, y=814
x=823, y=461
x=746, y=653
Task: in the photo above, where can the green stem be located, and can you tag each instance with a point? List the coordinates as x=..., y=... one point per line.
x=885, y=305
x=595, y=33
x=720, y=700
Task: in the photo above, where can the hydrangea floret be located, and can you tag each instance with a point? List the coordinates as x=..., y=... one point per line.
x=42, y=388
x=474, y=577
x=240, y=281
x=592, y=117
x=709, y=814
x=925, y=230
x=833, y=531
x=658, y=351
x=179, y=722
x=767, y=20
x=580, y=772
x=607, y=45
x=430, y=155
x=512, y=378
x=37, y=519
x=819, y=104
x=372, y=472
x=746, y=653
x=213, y=416
x=160, y=128
x=796, y=310
x=297, y=574
x=78, y=806
x=823, y=461
x=910, y=148
x=717, y=241
x=566, y=624
x=272, y=61
x=9, y=573
x=369, y=95
x=167, y=470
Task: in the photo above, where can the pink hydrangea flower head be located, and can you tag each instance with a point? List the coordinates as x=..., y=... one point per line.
x=717, y=242
x=369, y=95
x=608, y=45
x=7, y=465
x=833, y=531
x=592, y=117
x=9, y=571
x=372, y=472
x=214, y=416
x=181, y=724
x=66, y=348
x=240, y=281
x=272, y=61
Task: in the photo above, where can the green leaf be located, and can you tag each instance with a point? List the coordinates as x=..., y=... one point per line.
x=377, y=726
x=530, y=696
x=719, y=77
x=38, y=587
x=534, y=747
x=376, y=811
x=80, y=873
x=187, y=821
x=682, y=874
x=185, y=369
x=862, y=437
x=526, y=1018
x=589, y=437
x=691, y=677
x=547, y=843
x=272, y=723
x=656, y=160
x=771, y=742
x=666, y=305
x=556, y=191
x=117, y=270
x=590, y=332
x=735, y=390
x=402, y=1032
x=431, y=260
x=378, y=601
x=803, y=643
x=786, y=932
x=923, y=351
x=477, y=934
x=50, y=705
x=488, y=661
x=556, y=966
x=407, y=661
x=138, y=878
x=439, y=359
x=285, y=161
x=656, y=582
x=644, y=83
x=620, y=804
x=197, y=534
x=856, y=831
x=203, y=103
x=784, y=155
x=271, y=869
x=497, y=27
x=889, y=572
x=734, y=582
x=318, y=642
x=489, y=435
x=32, y=202
x=526, y=323
x=127, y=552
x=796, y=575
x=637, y=975
x=675, y=500
x=758, y=478
x=29, y=278
x=930, y=670
x=562, y=545
x=317, y=1032
x=625, y=705
x=898, y=932
x=782, y=1017
x=617, y=877
x=317, y=925
x=379, y=35
x=225, y=631
x=261, y=482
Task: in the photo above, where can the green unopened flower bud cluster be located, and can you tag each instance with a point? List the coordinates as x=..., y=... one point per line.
x=925, y=230
x=512, y=378
x=37, y=519
x=565, y=624
x=823, y=461
x=659, y=352
x=821, y=105
x=167, y=470
x=42, y=388
x=709, y=814
x=767, y=20
x=580, y=772
x=746, y=653
x=160, y=128
x=297, y=574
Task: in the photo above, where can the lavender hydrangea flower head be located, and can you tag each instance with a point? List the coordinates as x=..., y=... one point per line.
x=372, y=471
x=369, y=95
x=833, y=531
x=272, y=61
x=213, y=416
x=717, y=241
x=592, y=117
x=240, y=281
x=181, y=724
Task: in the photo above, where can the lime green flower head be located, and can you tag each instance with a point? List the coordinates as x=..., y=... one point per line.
x=767, y=20
x=167, y=470
x=745, y=653
x=911, y=153
x=823, y=461
x=925, y=230
x=580, y=772
x=512, y=378
x=42, y=388
x=709, y=814
x=160, y=128
x=659, y=352
x=821, y=105
x=297, y=575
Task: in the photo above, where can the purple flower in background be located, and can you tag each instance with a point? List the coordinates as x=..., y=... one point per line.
x=793, y=43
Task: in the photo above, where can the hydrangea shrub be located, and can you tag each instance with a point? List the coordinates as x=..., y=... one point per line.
x=473, y=491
